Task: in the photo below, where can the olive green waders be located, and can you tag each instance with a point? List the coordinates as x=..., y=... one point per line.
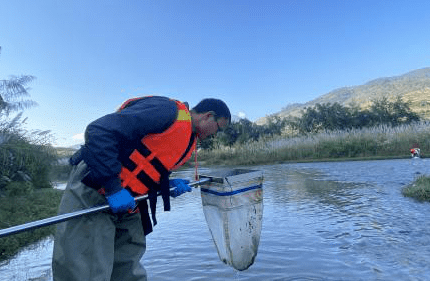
x=96, y=247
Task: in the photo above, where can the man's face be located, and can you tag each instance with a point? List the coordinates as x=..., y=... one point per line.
x=209, y=126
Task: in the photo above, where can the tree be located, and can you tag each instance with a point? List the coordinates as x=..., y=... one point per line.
x=12, y=92
x=325, y=116
x=337, y=117
x=392, y=113
x=274, y=126
x=26, y=156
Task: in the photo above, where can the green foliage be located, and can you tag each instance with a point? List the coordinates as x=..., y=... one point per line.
x=393, y=113
x=337, y=117
x=244, y=131
x=12, y=92
x=320, y=118
x=24, y=156
x=16, y=188
x=419, y=189
x=16, y=210
x=25, y=161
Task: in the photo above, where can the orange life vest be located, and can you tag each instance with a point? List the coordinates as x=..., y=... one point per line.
x=158, y=154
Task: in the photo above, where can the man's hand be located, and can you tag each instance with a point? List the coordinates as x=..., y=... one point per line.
x=121, y=202
x=181, y=186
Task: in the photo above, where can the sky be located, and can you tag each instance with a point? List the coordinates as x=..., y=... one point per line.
x=89, y=56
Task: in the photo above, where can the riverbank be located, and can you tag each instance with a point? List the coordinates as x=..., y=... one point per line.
x=419, y=189
x=16, y=210
x=380, y=142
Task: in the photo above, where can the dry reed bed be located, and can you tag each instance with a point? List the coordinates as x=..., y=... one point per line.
x=380, y=141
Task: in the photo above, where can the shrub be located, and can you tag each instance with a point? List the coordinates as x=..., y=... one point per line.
x=419, y=189
x=16, y=188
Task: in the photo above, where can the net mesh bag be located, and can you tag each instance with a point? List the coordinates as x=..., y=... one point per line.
x=233, y=208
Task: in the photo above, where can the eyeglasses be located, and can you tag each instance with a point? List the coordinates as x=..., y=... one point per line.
x=219, y=128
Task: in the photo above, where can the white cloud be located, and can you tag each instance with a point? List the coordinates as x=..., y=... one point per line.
x=78, y=137
x=241, y=114
x=75, y=140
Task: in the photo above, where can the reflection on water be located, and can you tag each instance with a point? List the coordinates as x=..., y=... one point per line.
x=322, y=221
x=31, y=264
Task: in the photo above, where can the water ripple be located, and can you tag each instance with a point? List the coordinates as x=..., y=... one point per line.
x=322, y=221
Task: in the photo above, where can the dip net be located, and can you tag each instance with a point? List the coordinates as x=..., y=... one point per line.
x=233, y=207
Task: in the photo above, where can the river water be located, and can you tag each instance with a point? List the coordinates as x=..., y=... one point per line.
x=322, y=221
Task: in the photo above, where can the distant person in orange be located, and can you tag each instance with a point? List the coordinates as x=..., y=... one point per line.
x=415, y=152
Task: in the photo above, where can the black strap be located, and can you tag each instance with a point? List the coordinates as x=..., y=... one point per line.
x=144, y=217
x=190, y=144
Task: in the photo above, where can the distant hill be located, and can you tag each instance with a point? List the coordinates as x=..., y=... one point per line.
x=413, y=86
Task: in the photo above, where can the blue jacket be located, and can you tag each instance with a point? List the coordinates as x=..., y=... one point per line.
x=115, y=135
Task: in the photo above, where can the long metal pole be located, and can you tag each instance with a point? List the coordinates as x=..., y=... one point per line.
x=64, y=217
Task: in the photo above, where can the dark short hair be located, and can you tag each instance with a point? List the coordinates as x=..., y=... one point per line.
x=215, y=105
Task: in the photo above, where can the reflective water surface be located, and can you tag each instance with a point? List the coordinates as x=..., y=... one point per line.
x=322, y=221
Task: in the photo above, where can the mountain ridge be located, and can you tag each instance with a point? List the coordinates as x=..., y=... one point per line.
x=412, y=86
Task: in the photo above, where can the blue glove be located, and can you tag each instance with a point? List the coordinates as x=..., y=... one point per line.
x=181, y=186
x=121, y=202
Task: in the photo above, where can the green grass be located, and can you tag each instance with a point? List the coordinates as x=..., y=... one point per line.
x=16, y=210
x=419, y=189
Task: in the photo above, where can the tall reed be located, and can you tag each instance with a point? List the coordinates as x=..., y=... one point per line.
x=378, y=142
